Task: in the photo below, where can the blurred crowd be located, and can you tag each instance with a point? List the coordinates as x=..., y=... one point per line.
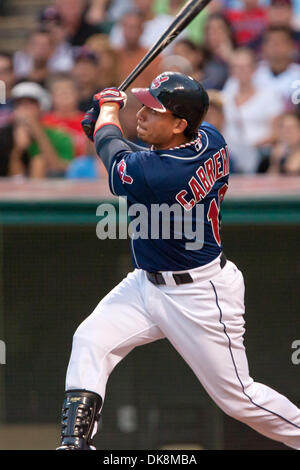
x=245, y=52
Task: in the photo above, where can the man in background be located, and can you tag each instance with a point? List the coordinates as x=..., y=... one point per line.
x=132, y=51
x=29, y=148
x=247, y=23
x=7, y=77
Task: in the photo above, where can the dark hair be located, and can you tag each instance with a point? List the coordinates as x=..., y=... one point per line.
x=220, y=17
x=188, y=43
x=7, y=55
x=279, y=29
x=39, y=30
x=134, y=12
x=294, y=114
x=49, y=13
x=191, y=129
x=189, y=132
x=248, y=51
x=85, y=53
x=60, y=77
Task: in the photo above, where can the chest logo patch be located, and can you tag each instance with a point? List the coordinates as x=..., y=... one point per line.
x=122, y=173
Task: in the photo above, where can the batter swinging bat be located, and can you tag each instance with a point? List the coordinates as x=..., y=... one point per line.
x=181, y=21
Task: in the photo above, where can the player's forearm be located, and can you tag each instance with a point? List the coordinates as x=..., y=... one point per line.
x=109, y=114
x=110, y=144
x=108, y=135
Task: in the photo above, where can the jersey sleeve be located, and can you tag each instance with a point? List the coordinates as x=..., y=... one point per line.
x=126, y=168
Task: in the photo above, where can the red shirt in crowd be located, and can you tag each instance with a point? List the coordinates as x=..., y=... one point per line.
x=247, y=25
x=72, y=125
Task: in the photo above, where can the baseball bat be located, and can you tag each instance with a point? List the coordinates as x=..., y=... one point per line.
x=181, y=21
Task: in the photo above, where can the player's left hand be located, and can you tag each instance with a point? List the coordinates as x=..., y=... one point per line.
x=110, y=95
x=89, y=121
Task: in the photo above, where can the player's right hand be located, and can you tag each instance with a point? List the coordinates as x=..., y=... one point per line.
x=110, y=95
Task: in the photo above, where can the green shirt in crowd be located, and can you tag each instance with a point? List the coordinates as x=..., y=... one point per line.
x=60, y=141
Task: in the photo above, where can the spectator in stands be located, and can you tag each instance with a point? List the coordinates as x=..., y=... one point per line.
x=96, y=13
x=285, y=156
x=249, y=114
x=280, y=14
x=215, y=113
x=277, y=69
x=219, y=6
x=87, y=166
x=108, y=60
x=65, y=114
x=215, y=116
x=32, y=63
x=86, y=75
x=132, y=51
x=61, y=59
x=177, y=63
x=31, y=148
x=154, y=26
x=111, y=11
x=196, y=56
x=7, y=80
x=248, y=23
x=220, y=45
x=72, y=13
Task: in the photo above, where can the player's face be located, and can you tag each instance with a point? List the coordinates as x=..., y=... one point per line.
x=155, y=128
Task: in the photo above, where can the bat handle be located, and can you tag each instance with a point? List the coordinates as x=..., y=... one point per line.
x=127, y=82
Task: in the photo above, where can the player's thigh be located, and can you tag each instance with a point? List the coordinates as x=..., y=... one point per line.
x=120, y=319
x=207, y=328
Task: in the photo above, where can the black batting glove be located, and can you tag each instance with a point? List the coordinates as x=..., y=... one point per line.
x=89, y=121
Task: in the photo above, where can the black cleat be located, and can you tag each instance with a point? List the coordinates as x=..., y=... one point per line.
x=80, y=412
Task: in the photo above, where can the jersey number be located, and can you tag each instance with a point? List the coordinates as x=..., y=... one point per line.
x=214, y=211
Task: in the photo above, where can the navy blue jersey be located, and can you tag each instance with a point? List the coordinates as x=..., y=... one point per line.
x=187, y=178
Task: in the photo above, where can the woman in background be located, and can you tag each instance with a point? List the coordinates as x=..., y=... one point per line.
x=249, y=114
x=285, y=156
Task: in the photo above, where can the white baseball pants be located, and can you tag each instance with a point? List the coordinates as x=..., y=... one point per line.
x=204, y=322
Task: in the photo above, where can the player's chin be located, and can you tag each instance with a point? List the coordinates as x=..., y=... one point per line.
x=142, y=134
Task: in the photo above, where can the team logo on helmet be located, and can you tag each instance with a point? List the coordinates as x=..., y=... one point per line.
x=122, y=173
x=158, y=81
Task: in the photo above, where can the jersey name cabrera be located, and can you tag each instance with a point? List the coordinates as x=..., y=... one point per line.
x=190, y=176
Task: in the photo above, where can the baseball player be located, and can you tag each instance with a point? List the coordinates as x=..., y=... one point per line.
x=192, y=297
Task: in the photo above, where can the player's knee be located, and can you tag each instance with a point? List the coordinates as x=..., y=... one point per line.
x=90, y=335
x=238, y=408
x=85, y=349
x=81, y=331
x=82, y=338
x=89, y=327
